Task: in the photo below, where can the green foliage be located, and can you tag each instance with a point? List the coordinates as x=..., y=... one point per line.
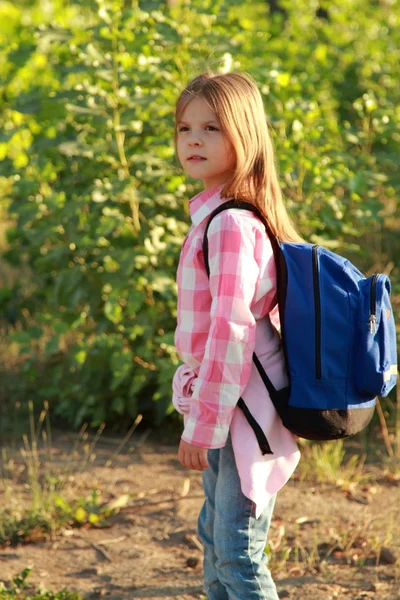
x=15, y=592
x=99, y=207
x=56, y=513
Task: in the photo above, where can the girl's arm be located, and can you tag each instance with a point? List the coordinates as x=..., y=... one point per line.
x=227, y=363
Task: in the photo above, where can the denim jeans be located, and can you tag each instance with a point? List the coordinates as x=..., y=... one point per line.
x=233, y=539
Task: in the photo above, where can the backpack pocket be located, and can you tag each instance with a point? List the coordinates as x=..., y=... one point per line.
x=376, y=363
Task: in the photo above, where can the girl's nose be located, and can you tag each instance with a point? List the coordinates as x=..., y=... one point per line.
x=195, y=141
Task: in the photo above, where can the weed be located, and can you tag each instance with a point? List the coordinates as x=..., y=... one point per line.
x=18, y=584
x=325, y=463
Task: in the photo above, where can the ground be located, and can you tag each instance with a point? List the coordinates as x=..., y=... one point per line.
x=329, y=542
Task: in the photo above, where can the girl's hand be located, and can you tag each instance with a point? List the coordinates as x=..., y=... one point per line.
x=192, y=457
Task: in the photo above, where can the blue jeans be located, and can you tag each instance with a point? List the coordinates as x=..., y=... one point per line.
x=233, y=539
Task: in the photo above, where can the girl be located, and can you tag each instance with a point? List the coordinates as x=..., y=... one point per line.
x=222, y=138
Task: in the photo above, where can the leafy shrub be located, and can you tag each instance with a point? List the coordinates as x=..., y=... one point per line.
x=99, y=207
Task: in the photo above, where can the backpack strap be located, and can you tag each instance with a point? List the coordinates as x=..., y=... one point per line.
x=241, y=204
x=260, y=435
x=276, y=395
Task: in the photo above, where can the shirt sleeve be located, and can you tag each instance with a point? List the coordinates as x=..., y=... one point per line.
x=226, y=367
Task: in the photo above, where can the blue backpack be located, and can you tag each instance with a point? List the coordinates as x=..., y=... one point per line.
x=338, y=336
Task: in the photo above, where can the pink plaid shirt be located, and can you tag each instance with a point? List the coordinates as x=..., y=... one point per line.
x=216, y=321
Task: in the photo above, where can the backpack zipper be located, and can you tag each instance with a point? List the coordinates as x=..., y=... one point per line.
x=372, y=317
x=317, y=300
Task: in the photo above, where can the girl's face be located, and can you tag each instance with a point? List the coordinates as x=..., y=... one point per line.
x=203, y=149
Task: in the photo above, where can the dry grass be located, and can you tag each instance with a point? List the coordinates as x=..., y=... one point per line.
x=50, y=498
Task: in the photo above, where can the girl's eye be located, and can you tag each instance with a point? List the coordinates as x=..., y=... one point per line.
x=209, y=127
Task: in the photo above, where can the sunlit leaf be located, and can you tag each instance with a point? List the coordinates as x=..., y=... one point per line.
x=80, y=515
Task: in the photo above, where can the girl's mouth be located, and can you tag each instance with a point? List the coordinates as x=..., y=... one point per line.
x=196, y=158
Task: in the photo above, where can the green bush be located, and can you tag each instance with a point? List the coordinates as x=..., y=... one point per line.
x=99, y=207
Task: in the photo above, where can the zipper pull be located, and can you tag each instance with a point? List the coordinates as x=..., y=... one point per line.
x=372, y=324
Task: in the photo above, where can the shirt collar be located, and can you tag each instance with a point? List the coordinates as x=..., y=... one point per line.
x=204, y=203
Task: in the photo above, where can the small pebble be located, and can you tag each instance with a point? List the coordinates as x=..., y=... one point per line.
x=192, y=562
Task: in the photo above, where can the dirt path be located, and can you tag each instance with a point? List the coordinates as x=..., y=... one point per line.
x=150, y=549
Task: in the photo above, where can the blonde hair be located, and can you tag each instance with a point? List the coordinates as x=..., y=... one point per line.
x=237, y=102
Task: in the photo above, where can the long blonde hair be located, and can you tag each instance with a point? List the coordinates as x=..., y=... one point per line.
x=237, y=102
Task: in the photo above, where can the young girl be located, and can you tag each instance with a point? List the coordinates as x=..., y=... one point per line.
x=222, y=138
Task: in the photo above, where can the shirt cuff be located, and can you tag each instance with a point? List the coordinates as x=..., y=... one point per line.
x=205, y=435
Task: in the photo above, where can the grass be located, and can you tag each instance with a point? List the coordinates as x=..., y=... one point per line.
x=327, y=462
x=391, y=457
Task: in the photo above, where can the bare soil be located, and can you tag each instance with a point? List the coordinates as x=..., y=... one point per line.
x=345, y=542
